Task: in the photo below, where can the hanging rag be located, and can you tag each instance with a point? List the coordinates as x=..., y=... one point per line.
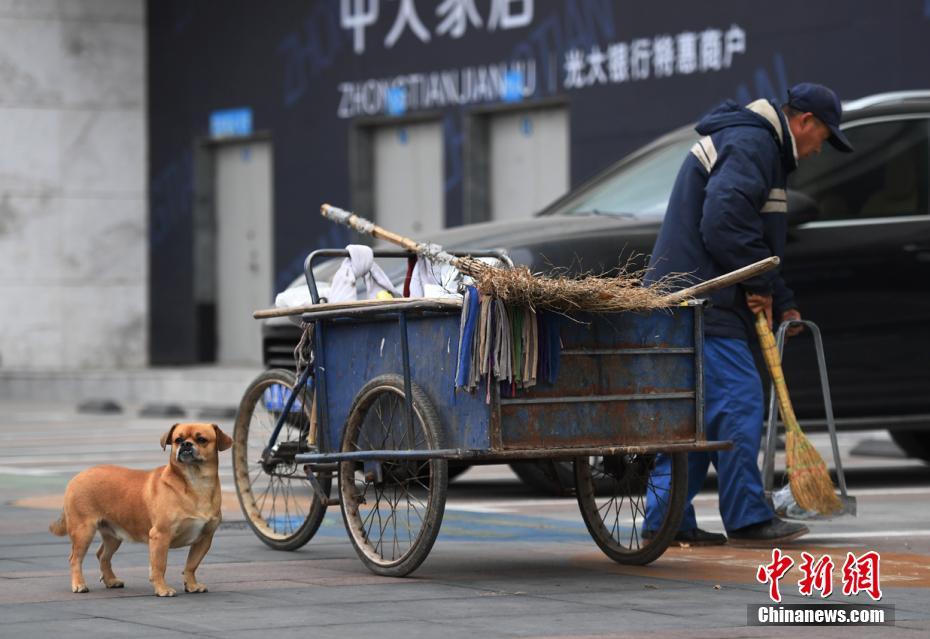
x=487, y=336
x=411, y=263
x=503, y=343
x=542, y=372
x=516, y=331
x=531, y=348
x=514, y=346
x=550, y=349
x=474, y=371
x=359, y=265
x=470, y=311
x=487, y=355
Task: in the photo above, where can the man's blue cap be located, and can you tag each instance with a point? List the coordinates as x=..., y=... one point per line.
x=809, y=97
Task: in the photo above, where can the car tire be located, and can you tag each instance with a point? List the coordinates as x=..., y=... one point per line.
x=457, y=468
x=546, y=476
x=916, y=443
x=555, y=478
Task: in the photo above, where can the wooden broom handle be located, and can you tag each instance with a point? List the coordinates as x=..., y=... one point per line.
x=722, y=281
x=364, y=226
x=432, y=252
x=773, y=361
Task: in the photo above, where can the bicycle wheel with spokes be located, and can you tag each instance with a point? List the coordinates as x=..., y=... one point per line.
x=613, y=493
x=392, y=508
x=276, y=498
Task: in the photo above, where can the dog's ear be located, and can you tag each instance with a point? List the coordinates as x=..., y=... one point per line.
x=223, y=441
x=166, y=438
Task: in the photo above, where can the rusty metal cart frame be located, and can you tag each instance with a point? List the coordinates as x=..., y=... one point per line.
x=386, y=419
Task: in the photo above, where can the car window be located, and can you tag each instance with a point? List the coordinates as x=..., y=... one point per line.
x=640, y=187
x=886, y=175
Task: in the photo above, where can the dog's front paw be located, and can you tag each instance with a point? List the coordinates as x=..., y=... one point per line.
x=113, y=583
x=165, y=592
x=79, y=588
x=195, y=587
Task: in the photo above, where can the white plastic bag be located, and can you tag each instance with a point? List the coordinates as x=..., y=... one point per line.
x=785, y=506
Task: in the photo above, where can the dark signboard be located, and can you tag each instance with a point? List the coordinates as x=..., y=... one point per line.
x=307, y=70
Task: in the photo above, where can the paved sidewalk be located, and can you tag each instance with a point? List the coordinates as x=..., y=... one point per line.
x=506, y=564
x=489, y=575
x=465, y=589
x=187, y=386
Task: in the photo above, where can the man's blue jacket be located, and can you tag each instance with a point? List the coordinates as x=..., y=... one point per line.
x=728, y=209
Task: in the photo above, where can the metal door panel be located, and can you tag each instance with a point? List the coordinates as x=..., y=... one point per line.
x=528, y=161
x=244, y=248
x=408, y=179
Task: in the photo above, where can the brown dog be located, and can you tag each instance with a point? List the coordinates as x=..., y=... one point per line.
x=169, y=507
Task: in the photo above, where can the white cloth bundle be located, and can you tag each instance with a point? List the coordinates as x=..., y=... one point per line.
x=434, y=280
x=359, y=264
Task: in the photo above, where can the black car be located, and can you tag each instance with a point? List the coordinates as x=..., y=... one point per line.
x=857, y=257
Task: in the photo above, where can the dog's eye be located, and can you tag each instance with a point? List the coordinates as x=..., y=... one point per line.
x=178, y=440
x=201, y=439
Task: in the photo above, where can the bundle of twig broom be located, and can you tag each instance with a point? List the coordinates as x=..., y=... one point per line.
x=623, y=291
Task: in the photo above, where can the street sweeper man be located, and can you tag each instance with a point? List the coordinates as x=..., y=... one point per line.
x=727, y=210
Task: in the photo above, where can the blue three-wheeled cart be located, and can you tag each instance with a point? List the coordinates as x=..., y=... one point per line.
x=376, y=407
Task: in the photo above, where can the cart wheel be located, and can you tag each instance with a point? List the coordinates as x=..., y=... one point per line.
x=615, y=520
x=392, y=509
x=276, y=498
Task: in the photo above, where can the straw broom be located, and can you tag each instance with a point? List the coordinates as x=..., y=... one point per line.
x=622, y=292
x=807, y=473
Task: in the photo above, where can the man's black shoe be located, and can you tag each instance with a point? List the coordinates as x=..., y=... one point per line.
x=693, y=537
x=767, y=533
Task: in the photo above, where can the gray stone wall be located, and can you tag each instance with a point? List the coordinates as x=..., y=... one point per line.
x=73, y=209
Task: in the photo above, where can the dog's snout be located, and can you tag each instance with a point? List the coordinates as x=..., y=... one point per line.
x=187, y=445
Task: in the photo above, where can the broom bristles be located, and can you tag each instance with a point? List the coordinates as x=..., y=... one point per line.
x=621, y=291
x=808, y=476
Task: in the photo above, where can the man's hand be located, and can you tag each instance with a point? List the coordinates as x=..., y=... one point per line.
x=761, y=304
x=792, y=314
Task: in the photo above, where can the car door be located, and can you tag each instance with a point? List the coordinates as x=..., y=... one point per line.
x=861, y=271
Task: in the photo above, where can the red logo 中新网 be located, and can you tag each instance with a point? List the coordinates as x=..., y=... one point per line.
x=860, y=574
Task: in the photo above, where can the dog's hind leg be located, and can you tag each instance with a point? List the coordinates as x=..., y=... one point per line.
x=81, y=538
x=110, y=545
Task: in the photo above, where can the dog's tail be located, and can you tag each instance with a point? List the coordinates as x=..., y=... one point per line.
x=59, y=526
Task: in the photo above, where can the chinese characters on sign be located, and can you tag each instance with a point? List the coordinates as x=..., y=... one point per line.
x=661, y=56
x=454, y=18
x=859, y=574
